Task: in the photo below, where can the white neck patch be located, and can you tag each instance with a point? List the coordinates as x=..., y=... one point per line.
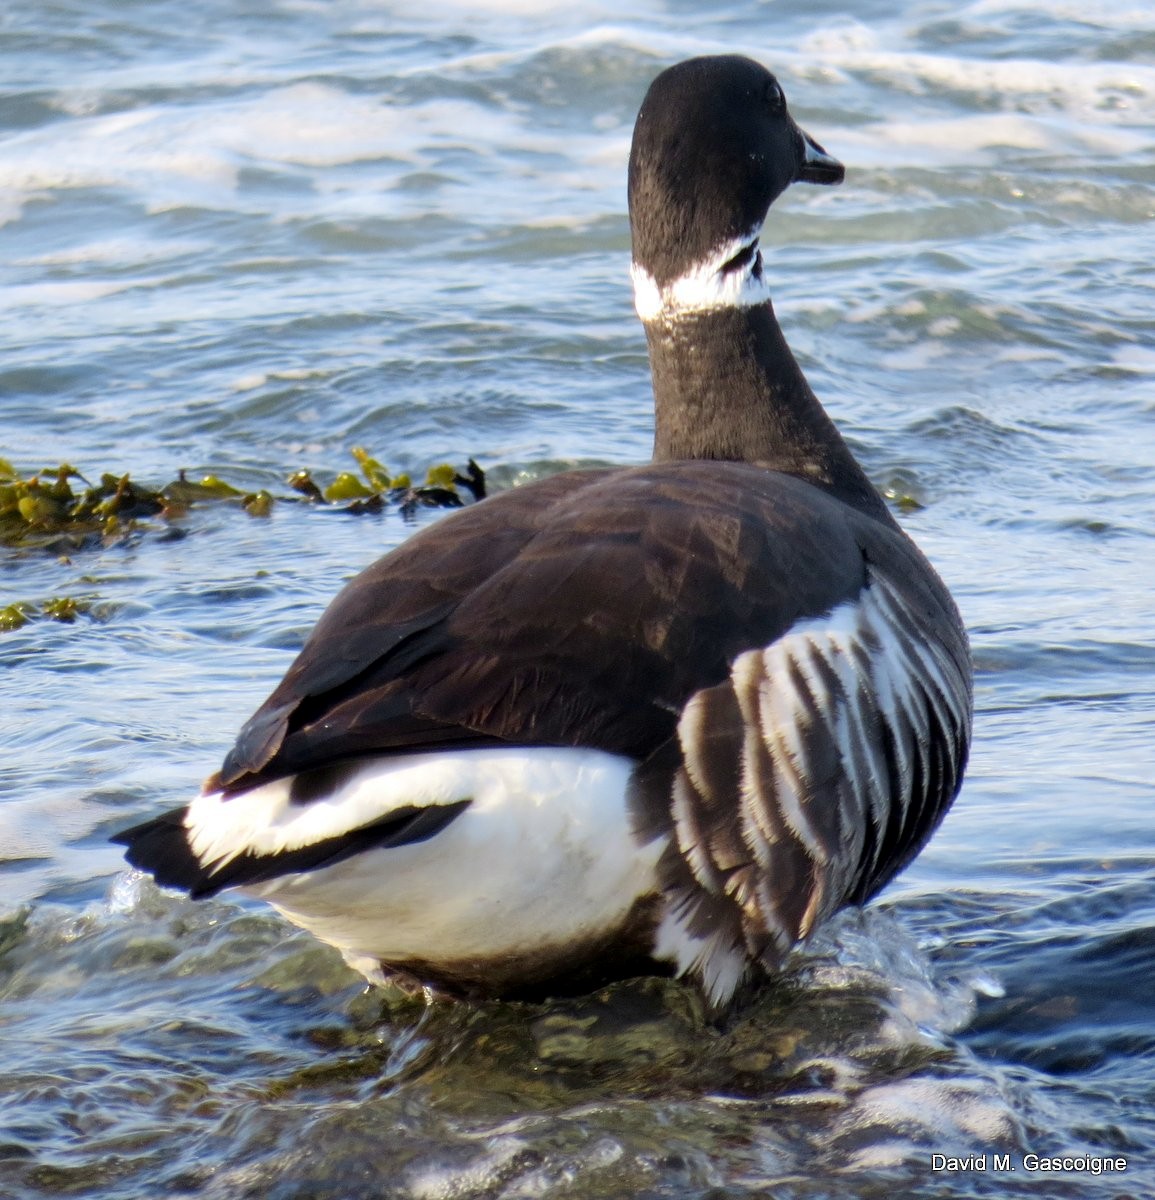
x=706, y=285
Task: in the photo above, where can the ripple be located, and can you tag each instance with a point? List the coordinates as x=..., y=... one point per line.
x=266, y=234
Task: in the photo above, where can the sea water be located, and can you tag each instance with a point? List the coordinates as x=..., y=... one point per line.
x=242, y=238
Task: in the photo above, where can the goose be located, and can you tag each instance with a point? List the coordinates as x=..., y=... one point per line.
x=665, y=718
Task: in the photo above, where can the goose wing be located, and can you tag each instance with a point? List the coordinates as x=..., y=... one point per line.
x=584, y=611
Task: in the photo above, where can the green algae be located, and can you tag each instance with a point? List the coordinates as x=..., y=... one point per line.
x=60, y=510
x=64, y=609
x=46, y=510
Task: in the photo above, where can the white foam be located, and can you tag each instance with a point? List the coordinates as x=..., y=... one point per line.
x=175, y=155
x=127, y=892
x=63, y=293
x=1061, y=85
x=182, y=155
x=871, y=947
x=115, y=251
x=1140, y=359
x=952, y=140
x=925, y=1112
x=1133, y=17
x=316, y=125
x=482, y=1174
x=1063, y=108
x=250, y=382
x=839, y=38
x=194, y=154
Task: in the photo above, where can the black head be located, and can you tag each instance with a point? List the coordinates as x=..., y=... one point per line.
x=714, y=146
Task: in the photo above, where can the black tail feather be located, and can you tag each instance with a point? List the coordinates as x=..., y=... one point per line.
x=161, y=847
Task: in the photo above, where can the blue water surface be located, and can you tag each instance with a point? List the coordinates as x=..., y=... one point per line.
x=243, y=238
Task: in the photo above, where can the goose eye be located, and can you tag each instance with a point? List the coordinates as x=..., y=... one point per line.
x=774, y=96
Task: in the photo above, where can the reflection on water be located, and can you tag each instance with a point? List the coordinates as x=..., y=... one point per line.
x=245, y=243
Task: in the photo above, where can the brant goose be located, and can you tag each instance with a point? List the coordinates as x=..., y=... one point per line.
x=656, y=718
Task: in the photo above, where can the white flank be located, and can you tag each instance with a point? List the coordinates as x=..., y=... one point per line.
x=543, y=856
x=861, y=662
x=826, y=684
x=705, y=286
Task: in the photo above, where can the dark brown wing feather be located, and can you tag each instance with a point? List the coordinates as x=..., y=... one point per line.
x=582, y=611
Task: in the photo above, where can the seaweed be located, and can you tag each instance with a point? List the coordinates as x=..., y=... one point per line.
x=58, y=510
x=64, y=609
x=45, y=510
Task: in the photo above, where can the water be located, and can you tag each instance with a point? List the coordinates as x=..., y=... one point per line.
x=246, y=237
